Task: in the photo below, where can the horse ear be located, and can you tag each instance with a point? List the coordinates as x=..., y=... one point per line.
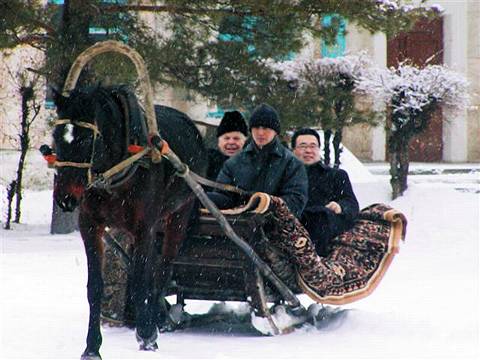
x=58, y=98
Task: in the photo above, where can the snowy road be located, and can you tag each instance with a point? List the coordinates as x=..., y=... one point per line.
x=427, y=306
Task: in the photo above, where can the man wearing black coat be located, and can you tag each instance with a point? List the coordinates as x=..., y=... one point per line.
x=264, y=165
x=232, y=133
x=332, y=206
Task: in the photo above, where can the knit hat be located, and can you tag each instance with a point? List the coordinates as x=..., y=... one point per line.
x=304, y=131
x=265, y=116
x=232, y=121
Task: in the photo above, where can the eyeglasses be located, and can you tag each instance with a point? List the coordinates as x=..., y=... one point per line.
x=304, y=147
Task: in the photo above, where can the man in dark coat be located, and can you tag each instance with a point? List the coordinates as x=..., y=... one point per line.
x=232, y=133
x=264, y=165
x=332, y=206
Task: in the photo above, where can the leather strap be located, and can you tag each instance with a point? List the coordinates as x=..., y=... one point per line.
x=216, y=185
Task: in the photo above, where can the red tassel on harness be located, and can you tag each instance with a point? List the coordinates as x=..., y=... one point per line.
x=51, y=159
x=134, y=149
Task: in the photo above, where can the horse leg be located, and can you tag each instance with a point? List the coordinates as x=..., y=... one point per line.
x=174, y=233
x=145, y=291
x=92, y=234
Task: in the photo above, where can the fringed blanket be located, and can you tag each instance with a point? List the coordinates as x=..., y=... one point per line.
x=357, y=260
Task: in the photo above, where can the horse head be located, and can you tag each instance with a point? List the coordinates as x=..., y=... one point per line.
x=88, y=140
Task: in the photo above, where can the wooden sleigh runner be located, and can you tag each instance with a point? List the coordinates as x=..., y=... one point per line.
x=211, y=267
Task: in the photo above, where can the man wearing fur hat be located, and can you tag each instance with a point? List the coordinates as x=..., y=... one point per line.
x=264, y=165
x=232, y=133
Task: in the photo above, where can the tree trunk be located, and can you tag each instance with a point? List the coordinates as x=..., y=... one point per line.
x=337, y=139
x=327, y=134
x=18, y=188
x=63, y=222
x=399, y=163
x=27, y=93
x=10, y=194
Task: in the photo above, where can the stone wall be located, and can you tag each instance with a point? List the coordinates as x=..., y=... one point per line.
x=365, y=142
x=473, y=115
x=13, y=67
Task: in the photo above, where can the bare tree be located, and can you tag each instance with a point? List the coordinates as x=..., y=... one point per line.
x=26, y=85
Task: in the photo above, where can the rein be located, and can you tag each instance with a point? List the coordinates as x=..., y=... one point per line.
x=138, y=151
x=216, y=185
x=102, y=180
x=83, y=124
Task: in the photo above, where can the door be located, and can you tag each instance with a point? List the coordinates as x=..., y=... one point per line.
x=421, y=46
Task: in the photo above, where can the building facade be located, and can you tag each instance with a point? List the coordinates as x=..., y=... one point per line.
x=454, y=40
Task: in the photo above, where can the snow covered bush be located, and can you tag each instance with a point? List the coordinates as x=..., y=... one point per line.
x=306, y=72
x=413, y=95
x=332, y=84
x=410, y=90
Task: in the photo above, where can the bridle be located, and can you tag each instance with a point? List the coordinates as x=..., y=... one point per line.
x=53, y=162
x=114, y=176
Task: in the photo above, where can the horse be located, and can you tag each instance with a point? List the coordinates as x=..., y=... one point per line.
x=94, y=133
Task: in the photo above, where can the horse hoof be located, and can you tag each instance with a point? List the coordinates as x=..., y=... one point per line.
x=149, y=344
x=90, y=356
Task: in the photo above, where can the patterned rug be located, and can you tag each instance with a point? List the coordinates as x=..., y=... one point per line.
x=357, y=260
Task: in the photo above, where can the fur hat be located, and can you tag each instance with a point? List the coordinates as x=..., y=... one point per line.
x=232, y=121
x=265, y=116
x=304, y=131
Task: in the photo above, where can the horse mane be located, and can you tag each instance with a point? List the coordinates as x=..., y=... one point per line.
x=173, y=125
x=183, y=137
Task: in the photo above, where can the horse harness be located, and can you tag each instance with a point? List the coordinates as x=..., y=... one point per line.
x=107, y=180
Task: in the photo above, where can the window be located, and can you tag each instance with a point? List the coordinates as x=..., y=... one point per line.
x=337, y=49
x=241, y=30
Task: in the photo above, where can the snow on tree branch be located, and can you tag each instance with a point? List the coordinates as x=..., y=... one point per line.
x=414, y=88
x=395, y=5
x=304, y=71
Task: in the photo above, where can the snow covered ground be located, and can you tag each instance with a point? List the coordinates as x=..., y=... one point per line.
x=427, y=306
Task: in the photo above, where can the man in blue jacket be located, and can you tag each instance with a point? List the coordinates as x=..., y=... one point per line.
x=264, y=165
x=332, y=206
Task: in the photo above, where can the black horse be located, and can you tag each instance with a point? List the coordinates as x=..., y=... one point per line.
x=93, y=134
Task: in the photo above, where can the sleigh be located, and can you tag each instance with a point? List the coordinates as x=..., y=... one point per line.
x=211, y=267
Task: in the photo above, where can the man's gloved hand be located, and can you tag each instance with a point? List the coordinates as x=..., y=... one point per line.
x=335, y=207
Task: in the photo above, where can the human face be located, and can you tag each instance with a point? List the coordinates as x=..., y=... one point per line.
x=307, y=149
x=263, y=136
x=231, y=143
